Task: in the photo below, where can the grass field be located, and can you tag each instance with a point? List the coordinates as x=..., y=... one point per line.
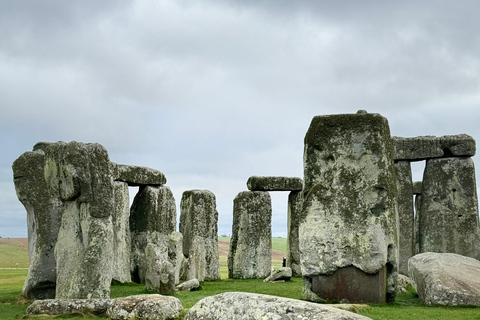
x=406, y=307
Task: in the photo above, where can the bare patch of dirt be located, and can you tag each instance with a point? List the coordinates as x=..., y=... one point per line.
x=224, y=246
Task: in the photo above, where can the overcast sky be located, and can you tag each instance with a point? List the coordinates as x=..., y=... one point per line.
x=213, y=92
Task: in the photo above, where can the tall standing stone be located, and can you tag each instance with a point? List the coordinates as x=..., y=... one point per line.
x=403, y=173
x=449, y=208
x=152, y=220
x=295, y=205
x=251, y=242
x=80, y=174
x=121, y=232
x=348, y=239
x=44, y=210
x=198, y=225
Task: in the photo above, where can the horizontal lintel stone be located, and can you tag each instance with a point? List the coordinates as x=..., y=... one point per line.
x=138, y=176
x=428, y=147
x=256, y=183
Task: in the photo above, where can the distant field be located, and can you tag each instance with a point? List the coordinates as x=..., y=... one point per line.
x=14, y=253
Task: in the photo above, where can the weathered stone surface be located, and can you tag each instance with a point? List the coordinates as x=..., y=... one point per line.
x=198, y=224
x=152, y=220
x=138, y=176
x=80, y=174
x=242, y=305
x=428, y=147
x=295, y=205
x=189, y=285
x=403, y=173
x=67, y=306
x=282, y=274
x=417, y=187
x=445, y=279
x=121, y=233
x=145, y=307
x=251, y=242
x=348, y=284
x=256, y=183
x=43, y=219
x=160, y=273
x=449, y=208
x=175, y=253
x=403, y=282
x=350, y=199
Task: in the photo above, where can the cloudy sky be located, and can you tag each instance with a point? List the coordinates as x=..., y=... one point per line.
x=212, y=92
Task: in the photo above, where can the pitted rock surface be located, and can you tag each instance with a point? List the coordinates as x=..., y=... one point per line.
x=250, y=246
x=145, y=307
x=242, y=305
x=445, y=279
x=256, y=183
x=350, y=215
x=199, y=226
x=66, y=306
x=429, y=147
x=138, y=176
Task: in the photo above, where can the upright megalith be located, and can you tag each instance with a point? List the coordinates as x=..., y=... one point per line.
x=348, y=238
x=295, y=205
x=121, y=232
x=251, y=242
x=152, y=221
x=44, y=211
x=449, y=208
x=80, y=175
x=198, y=225
x=403, y=173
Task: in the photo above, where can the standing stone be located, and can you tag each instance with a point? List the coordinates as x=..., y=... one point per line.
x=43, y=219
x=417, y=192
x=251, y=242
x=152, y=220
x=121, y=233
x=198, y=224
x=295, y=204
x=403, y=173
x=80, y=175
x=449, y=208
x=349, y=235
x=175, y=253
x=160, y=273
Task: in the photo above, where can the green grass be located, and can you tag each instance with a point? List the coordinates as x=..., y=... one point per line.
x=13, y=257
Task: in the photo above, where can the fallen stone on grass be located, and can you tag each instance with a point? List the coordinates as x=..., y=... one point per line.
x=139, y=307
x=352, y=307
x=145, y=307
x=445, y=279
x=242, y=305
x=67, y=306
x=284, y=273
x=190, y=285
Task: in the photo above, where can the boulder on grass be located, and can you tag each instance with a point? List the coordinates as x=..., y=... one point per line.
x=145, y=307
x=445, y=279
x=190, y=285
x=252, y=306
x=282, y=274
x=68, y=306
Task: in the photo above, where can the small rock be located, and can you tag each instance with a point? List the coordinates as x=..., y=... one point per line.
x=284, y=273
x=190, y=285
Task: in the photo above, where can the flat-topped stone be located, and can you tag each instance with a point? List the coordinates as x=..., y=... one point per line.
x=138, y=176
x=256, y=183
x=428, y=147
